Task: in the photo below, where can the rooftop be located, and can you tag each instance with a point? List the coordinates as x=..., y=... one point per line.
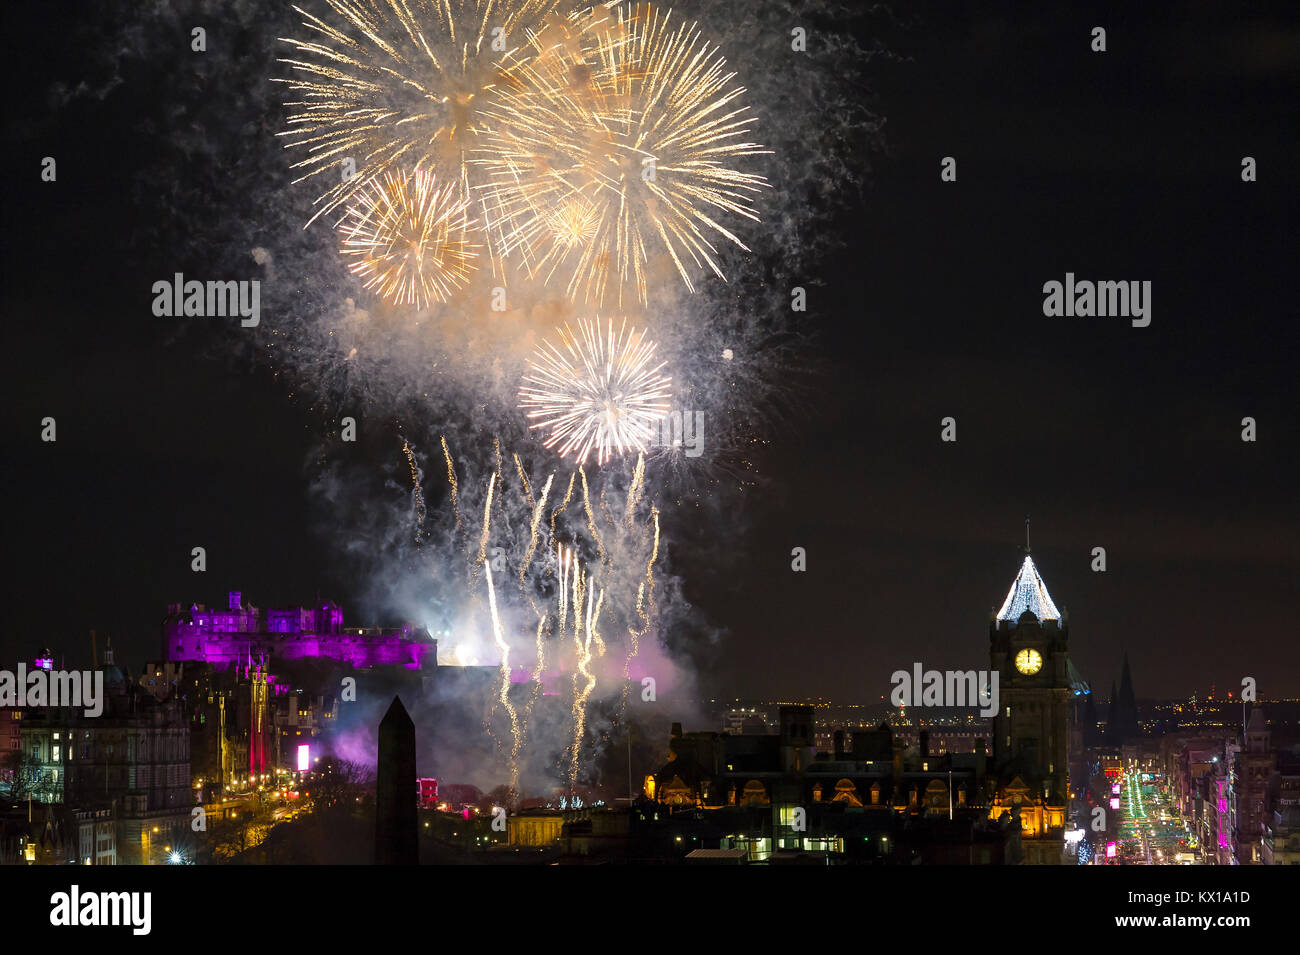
x=1029, y=593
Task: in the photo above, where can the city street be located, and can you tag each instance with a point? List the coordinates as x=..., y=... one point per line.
x=1151, y=832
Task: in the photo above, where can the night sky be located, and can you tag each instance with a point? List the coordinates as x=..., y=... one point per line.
x=1116, y=166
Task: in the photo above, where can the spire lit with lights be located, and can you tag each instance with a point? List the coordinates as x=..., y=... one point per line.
x=1028, y=592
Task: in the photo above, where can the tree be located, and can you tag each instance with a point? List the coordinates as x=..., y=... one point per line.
x=340, y=786
x=23, y=772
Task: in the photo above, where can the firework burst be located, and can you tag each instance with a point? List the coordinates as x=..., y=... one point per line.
x=596, y=391
x=410, y=238
x=614, y=151
x=399, y=82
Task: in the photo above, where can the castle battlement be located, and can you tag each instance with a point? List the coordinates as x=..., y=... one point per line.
x=239, y=633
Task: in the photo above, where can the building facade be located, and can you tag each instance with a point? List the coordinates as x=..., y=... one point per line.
x=1029, y=650
x=240, y=634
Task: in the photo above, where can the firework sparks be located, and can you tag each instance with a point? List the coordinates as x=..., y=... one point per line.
x=596, y=391
x=417, y=494
x=410, y=238
x=583, y=617
x=615, y=147
x=516, y=728
x=398, y=82
x=585, y=632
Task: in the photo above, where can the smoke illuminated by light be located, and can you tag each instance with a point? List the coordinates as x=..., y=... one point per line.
x=561, y=612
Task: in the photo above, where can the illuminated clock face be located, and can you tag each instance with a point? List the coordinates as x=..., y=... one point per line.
x=1029, y=661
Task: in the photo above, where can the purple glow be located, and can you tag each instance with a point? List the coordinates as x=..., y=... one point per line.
x=304, y=757
x=45, y=663
x=1110, y=850
x=236, y=634
x=1223, y=804
x=1114, y=802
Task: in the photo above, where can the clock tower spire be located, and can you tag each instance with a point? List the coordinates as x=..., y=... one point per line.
x=1029, y=650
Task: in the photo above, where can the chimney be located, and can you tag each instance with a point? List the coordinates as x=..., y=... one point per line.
x=234, y=600
x=925, y=742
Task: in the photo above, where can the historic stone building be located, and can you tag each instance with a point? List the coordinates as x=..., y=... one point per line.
x=240, y=634
x=1029, y=650
x=1252, y=777
x=1008, y=803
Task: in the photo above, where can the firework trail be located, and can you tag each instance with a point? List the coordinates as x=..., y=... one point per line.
x=416, y=493
x=559, y=596
x=455, y=489
x=538, y=508
x=616, y=148
x=516, y=729
x=584, y=632
x=596, y=391
x=645, y=592
x=487, y=521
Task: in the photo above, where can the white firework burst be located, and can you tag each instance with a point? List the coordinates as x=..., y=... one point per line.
x=596, y=390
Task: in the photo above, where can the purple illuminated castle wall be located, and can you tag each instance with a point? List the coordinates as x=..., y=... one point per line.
x=239, y=634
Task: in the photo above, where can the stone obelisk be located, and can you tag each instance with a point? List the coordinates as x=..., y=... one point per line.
x=395, y=819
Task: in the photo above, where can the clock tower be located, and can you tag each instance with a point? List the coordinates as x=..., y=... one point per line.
x=1028, y=649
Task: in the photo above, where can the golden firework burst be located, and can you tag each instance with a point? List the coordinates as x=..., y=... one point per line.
x=613, y=146
x=410, y=238
x=385, y=83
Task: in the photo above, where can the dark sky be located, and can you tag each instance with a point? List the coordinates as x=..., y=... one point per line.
x=1122, y=165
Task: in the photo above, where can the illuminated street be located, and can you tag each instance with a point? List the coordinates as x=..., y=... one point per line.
x=1151, y=832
